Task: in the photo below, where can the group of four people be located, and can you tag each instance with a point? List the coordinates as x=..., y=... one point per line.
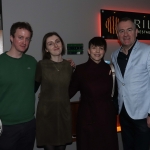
x=21, y=75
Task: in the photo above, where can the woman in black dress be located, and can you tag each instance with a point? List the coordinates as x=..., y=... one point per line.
x=53, y=117
x=96, y=122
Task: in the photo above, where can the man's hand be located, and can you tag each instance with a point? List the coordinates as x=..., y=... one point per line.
x=39, y=95
x=148, y=121
x=71, y=63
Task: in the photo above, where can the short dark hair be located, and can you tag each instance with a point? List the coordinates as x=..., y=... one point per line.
x=20, y=25
x=126, y=19
x=46, y=55
x=98, y=41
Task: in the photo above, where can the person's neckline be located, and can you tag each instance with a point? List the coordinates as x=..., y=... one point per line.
x=13, y=55
x=57, y=61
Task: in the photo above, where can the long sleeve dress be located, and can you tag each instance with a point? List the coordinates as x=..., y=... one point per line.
x=53, y=117
x=96, y=120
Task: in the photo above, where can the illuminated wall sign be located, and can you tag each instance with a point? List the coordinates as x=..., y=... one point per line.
x=73, y=49
x=109, y=19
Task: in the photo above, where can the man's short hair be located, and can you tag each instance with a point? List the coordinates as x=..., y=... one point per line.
x=20, y=25
x=124, y=19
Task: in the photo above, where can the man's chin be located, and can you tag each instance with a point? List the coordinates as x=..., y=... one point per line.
x=22, y=50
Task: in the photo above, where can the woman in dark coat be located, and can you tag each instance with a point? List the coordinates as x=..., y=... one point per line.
x=96, y=122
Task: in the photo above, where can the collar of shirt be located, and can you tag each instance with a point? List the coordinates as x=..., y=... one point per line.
x=122, y=59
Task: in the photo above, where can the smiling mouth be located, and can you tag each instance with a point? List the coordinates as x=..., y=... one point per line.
x=56, y=49
x=126, y=38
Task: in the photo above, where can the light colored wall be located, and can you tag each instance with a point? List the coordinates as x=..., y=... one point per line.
x=77, y=21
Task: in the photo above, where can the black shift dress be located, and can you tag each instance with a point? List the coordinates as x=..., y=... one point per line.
x=53, y=117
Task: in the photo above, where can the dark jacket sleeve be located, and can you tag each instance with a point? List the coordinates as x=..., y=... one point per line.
x=74, y=84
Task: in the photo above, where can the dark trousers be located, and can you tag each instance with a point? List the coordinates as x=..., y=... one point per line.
x=18, y=137
x=135, y=133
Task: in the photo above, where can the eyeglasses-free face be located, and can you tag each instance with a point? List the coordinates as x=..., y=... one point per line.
x=127, y=33
x=54, y=45
x=21, y=40
x=96, y=53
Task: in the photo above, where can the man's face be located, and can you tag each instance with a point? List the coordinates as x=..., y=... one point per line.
x=126, y=33
x=21, y=40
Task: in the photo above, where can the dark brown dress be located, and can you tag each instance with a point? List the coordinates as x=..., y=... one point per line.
x=53, y=118
x=96, y=122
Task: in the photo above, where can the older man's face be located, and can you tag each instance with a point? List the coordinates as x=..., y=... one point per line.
x=126, y=33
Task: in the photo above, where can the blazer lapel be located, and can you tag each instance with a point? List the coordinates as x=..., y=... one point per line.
x=117, y=69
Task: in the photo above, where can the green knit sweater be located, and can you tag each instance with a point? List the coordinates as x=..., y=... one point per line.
x=17, y=99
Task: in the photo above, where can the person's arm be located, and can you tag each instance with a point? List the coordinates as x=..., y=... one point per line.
x=148, y=121
x=36, y=86
x=71, y=62
x=38, y=77
x=74, y=84
x=148, y=68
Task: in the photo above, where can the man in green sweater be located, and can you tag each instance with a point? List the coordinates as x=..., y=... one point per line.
x=17, y=99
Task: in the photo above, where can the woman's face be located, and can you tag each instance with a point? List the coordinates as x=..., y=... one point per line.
x=96, y=53
x=54, y=45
